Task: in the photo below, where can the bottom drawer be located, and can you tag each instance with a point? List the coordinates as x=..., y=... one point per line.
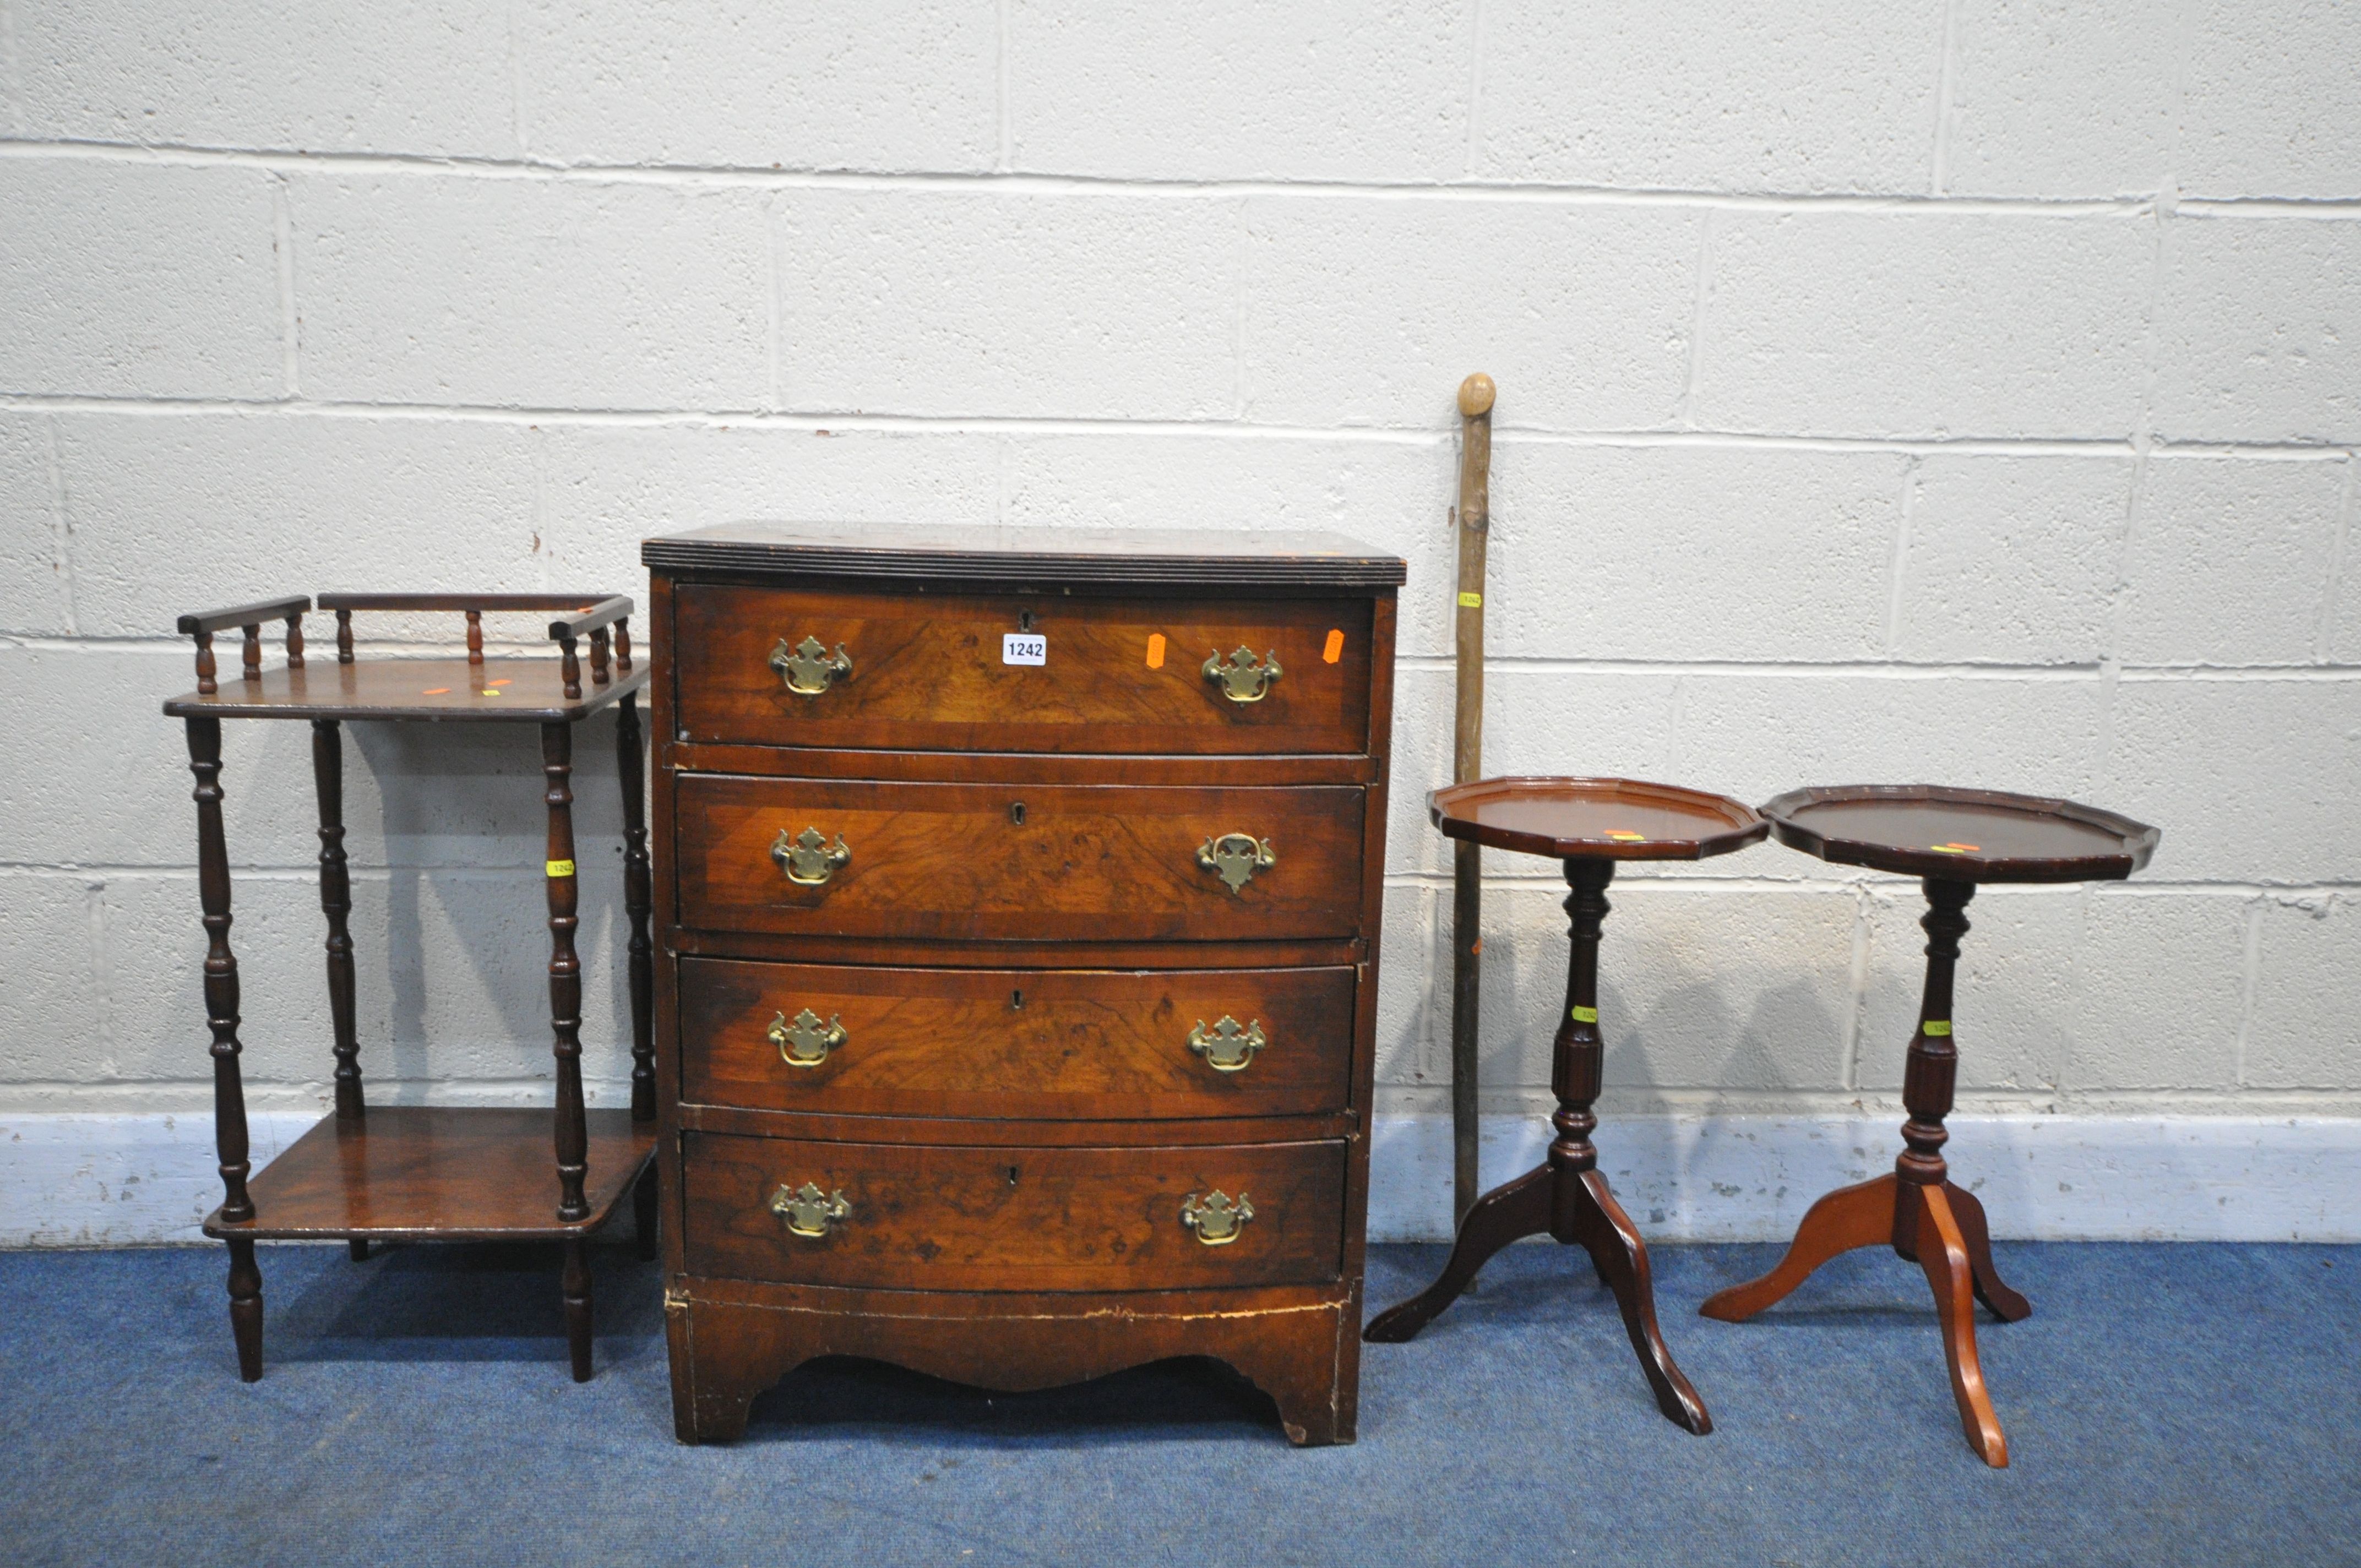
x=995, y=1217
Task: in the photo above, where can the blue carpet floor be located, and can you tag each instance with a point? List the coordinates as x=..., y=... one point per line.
x=2165, y=1404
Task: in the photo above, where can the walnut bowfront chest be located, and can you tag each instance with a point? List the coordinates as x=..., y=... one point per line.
x=1016, y=999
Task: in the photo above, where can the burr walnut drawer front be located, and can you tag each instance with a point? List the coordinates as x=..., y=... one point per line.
x=915, y=1217
x=1055, y=1044
x=1063, y=863
x=1202, y=674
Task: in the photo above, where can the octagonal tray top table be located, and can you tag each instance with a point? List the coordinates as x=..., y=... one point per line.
x=1588, y=824
x=1953, y=838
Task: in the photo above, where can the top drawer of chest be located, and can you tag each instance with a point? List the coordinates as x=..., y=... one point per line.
x=1203, y=675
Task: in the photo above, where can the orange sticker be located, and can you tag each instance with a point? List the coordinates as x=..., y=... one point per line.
x=438, y=691
x=1955, y=848
x=1335, y=648
x=1476, y=947
x=1156, y=651
x=504, y=680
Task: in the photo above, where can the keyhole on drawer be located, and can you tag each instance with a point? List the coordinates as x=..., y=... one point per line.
x=1015, y=999
x=1011, y=1176
x=1016, y=812
x=1024, y=620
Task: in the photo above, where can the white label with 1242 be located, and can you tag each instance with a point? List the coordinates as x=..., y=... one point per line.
x=1024, y=648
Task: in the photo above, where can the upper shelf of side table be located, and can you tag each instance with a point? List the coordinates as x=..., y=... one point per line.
x=511, y=690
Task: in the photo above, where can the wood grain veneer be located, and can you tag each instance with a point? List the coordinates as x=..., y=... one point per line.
x=1003, y=942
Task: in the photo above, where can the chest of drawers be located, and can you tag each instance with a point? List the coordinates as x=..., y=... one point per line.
x=1017, y=1000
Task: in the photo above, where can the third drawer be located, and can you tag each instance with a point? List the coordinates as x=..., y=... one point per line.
x=1057, y=1044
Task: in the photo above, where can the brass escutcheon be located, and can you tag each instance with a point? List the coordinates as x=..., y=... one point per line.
x=809, y=859
x=808, y=1211
x=1242, y=679
x=807, y=1041
x=1216, y=1220
x=1237, y=856
x=1226, y=1048
x=808, y=668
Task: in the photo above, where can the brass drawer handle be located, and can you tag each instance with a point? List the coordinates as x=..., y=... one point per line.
x=807, y=1041
x=1226, y=1048
x=1243, y=678
x=1237, y=856
x=808, y=857
x=808, y=1211
x=1216, y=1220
x=808, y=668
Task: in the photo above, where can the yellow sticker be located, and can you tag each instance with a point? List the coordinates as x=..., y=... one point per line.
x=1585, y=1015
x=1471, y=601
x=1955, y=848
x=1938, y=1027
x=560, y=868
x=1156, y=651
x=1334, y=648
x=1625, y=836
x=489, y=692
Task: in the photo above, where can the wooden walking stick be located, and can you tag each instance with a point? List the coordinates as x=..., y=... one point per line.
x=1475, y=520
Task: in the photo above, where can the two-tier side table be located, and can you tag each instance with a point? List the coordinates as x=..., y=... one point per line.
x=1953, y=838
x=429, y=1173
x=1588, y=824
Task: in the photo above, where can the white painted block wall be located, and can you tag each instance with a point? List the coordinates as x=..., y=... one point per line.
x=1968, y=390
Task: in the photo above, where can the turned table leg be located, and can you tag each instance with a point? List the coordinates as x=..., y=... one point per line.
x=1918, y=1210
x=575, y=1285
x=572, y=1134
x=639, y=902
x=337, y=904
x=230, y=1142
x=1568, y=1198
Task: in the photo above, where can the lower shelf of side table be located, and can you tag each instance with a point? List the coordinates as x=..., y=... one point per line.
x=437, y=1173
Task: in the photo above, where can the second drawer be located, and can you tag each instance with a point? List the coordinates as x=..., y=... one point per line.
x=1111, y=1045
x=1040, y=862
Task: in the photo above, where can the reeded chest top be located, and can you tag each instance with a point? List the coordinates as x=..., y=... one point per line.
x=1022, y=557
x=1021, y=891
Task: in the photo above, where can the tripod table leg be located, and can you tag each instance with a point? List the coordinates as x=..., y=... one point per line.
x=2006, y=1304
x=1847, y=1218
x=1502, y=1215
x=1621, y=1259
x=1943, y=1254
